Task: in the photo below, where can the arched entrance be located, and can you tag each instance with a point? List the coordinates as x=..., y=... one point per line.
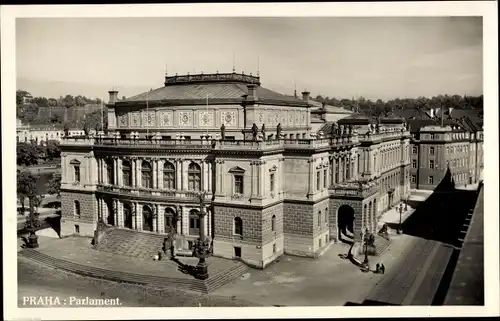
x=127, y=215
x=169, y=220
x=345, y=223
x=111, y=215
x=147, y=219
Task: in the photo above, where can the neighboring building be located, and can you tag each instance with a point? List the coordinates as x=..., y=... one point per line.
x=266, y=196
x=451, y=143
x=40, y=134
x=322, y=113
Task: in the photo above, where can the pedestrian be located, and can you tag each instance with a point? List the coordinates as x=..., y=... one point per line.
x=377, y=268
x=382, y=268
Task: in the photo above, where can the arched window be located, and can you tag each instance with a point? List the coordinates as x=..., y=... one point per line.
x=168, y=176
x=76, y=209
x=126, y=173
x=238, y=226
x=147, y=177
x=326, y=215
x=194, y=177
x=194, y=222
x=127, y=215
x=169, y=220
x=76, y=170
x=110, y=174
x=273, y=223
x=319, y=218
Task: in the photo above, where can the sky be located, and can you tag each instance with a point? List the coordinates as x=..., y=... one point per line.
x=380, y=57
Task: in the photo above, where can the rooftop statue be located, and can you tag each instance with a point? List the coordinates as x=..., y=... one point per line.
x=223, y=132
x=255, y=131
x=278, y=131
x=263, y=131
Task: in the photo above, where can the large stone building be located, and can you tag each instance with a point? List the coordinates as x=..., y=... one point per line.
x=273, y=184
x=441, y=144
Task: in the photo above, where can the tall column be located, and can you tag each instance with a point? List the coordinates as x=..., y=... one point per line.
x=310, y=189
x=185, y=165
x=160, y=174
x=155, y=173
x=120, y=214
x=210, y=177
x=115, y=212
x=178, y=174
x=115, y=170
x=119, y=176
x=156, y=227
x=178, y=210
x=204, y=170
x=133, y=170
x=262, y=180
x=134, y=216
x=185, y=220
x=161, y=219
x=138, y=165
x=139, y=216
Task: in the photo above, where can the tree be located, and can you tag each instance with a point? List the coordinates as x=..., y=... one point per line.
x=30, y=112
x=20, y=94
x=52, y=150
x=26, y=186
x=68, y=101
x=55, y=119
x=41, y=101
x=54, y=185
x=27, y=154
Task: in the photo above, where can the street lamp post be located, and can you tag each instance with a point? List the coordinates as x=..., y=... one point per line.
x=366, y=240
x=400, y=218
x=30, y=224
x=201, y=247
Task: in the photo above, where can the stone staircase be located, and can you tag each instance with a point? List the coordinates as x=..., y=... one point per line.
x=126, y=242
x=381, y=244
x=204, y=286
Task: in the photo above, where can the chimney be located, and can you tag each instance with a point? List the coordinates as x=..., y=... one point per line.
x=252, y=92
x=113, y=96
x=305, y=96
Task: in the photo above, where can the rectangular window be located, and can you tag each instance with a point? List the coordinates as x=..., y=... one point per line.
x=230, y=138
x=431, y=164
x=431, y=136
x=414, y=150
x=413, y=163
x=77, y=173
x=77, y=229
x=413, y=179
x=430, y=180
x=431, y=151
x=238, y=184
x=271, y=182
x=318, y=179
x=325, y=178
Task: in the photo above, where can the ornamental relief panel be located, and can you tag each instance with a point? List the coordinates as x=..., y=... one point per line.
x=185, y=118
x=135, y=120
x=290, y=118
x=206, y=119
x=166, y=119
x=260, y=117
x=276, y=118
x=283, y=118
x=269, y=119
x=303, y=118
x=148, y=118
x=297, y=118
x=228, y=118
x=123, y=120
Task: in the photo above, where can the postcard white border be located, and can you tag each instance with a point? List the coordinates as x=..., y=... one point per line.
x=488, y=10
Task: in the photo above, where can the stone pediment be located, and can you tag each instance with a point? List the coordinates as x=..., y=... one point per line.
x=236, y=169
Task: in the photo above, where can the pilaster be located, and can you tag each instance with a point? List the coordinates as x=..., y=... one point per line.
x=139, y=216
x=120, y=214
x=178, y=172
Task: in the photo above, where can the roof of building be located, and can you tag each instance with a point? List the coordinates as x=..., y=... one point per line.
x=215, y=87
x=317, y=106
x=412, y=113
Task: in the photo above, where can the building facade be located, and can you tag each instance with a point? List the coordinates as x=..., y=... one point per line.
x=273, y=185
